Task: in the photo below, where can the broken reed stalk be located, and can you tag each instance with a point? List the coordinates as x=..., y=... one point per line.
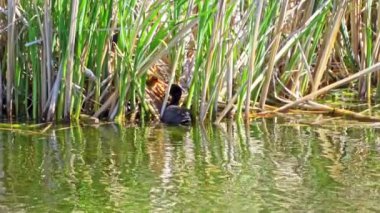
x=325, y=89
x=346, y=113
x=328, y=44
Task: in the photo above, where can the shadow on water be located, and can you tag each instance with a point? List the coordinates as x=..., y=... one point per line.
x=267, y=165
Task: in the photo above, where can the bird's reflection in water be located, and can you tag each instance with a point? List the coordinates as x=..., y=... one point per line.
x=177, y=134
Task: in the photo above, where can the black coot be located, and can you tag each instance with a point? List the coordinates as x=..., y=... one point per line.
x=174, y=114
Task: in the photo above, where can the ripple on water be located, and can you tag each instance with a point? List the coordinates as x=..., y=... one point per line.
x=266, y=166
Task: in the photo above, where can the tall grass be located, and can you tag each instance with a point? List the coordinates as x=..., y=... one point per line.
x=58, y=60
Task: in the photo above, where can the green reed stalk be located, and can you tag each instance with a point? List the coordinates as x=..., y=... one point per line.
x=128, y=33
x=263, y=43
x=210, y=64
x=203, y=42
x=54, y=106
x=100, y=46
x=369, y=45
x=252, y=60
x=222, y=60
x=81, y=52
x=70, y=61
x=36, y=84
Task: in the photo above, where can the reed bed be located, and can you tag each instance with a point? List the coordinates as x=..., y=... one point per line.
x=62, y=59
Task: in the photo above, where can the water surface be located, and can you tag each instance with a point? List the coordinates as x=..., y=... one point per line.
x=270, y=165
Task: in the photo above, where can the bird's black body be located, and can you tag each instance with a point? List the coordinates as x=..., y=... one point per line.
x=174, y=114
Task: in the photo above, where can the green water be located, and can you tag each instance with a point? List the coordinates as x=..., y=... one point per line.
x=270, y=165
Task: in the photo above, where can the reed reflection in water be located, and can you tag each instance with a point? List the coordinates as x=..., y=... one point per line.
x=267, y=165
